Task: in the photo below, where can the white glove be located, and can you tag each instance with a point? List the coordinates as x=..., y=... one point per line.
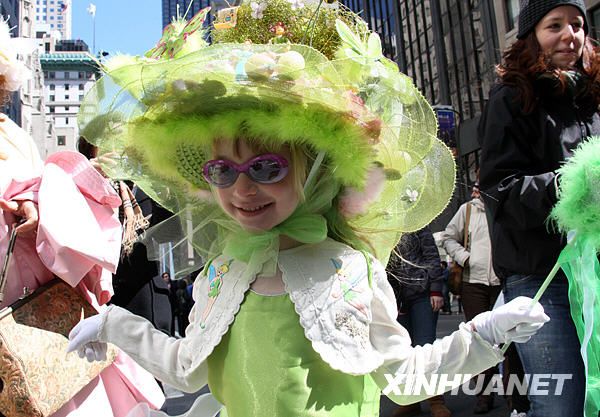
x=515, y=321
x=84, y=339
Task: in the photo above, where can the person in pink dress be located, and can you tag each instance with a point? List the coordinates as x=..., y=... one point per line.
x=70, y=231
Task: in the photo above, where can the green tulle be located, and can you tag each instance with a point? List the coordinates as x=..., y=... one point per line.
x=578, y=212
x=580, y=264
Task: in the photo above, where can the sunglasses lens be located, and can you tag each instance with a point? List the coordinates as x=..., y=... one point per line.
x=221, y=174
x=267, y=170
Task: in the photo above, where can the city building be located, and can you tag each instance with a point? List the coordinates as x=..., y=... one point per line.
x=69, y=72
x=53, y=17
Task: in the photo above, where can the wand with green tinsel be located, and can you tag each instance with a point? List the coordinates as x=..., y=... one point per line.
x=577, y=213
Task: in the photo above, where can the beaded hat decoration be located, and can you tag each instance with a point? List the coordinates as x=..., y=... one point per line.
x=381, y=170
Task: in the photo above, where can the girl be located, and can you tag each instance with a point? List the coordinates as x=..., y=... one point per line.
x=299, y=173
x=545, y=104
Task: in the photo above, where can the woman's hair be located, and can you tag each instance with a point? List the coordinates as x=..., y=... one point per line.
x=86, y=148
x=523, y=63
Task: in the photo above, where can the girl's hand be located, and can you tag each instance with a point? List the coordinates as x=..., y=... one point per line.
x=25, y=209
x=515, y=321
x=84, y=339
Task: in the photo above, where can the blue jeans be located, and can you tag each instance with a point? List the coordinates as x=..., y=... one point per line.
x=554, y=349
x=419, y=320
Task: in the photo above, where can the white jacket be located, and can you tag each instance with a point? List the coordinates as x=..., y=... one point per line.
x=479, y=251
x=358, y=334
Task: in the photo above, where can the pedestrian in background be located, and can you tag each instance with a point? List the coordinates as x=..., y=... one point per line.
x=415, y=274
x=480, y=286
x=178, y=298
x=544, y=105
x=447, y=307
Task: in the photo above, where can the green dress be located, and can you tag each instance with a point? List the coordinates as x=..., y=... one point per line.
x=265, y=366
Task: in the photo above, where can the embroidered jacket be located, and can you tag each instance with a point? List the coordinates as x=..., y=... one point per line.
x=350, y=321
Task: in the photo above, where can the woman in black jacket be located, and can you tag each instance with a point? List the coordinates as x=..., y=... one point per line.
x=545, y=104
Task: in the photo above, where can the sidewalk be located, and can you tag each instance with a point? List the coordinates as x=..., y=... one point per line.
x=461, y=405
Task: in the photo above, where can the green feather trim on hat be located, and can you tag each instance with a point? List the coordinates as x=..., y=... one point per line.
x=578, y=206
x=166, y=144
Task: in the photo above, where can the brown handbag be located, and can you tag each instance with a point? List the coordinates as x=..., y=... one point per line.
x=37, y=376
x=456, y=272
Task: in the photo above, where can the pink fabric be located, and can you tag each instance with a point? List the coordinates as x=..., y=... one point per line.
x=118, y=389
x=70, y=192
x=78, y=240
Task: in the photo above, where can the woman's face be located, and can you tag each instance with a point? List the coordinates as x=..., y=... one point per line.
x=255, y=206
x=561, y=36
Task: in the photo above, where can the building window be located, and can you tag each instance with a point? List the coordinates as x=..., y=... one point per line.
x=67, y=86
x=81, y=75
x=66, y=96
x=511, y=8
x=61, y=140
x=596, y=23
x=51, y=75
x=51, y=109
x=51, y=98
x=66, y=120
x=66, y=108
x=81, y=86
x=52, y=87
x=81, y=97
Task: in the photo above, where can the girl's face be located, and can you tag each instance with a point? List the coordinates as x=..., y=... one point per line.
x=561, y=36
x=255, y=206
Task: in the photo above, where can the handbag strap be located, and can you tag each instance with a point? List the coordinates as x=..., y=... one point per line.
x=467, y=220
x=5, y=266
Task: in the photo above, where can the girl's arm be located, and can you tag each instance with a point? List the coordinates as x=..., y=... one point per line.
x=167, y=358
x=174, y=361
x=461, y=353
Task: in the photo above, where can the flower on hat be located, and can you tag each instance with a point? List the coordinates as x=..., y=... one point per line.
x=296, y=4
x=257, y=9
x=12, y=71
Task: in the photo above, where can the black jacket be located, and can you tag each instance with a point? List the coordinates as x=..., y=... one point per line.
x=422, y=273
x=520, y=155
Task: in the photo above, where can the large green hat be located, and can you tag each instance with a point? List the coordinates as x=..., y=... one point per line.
x=381, y=169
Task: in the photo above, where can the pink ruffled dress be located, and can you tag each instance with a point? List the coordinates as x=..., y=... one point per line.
x=78, y=239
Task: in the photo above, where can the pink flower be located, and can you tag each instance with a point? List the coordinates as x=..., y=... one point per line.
x=355, y=202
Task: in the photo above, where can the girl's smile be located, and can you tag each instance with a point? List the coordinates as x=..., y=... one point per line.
x=257, y=207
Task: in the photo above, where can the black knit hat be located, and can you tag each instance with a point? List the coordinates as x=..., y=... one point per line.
x=532, y=11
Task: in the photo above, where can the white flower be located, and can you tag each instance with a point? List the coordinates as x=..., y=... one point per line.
x=13, y=70
x=412, y=195
x=296, y=4
x=257, y=9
